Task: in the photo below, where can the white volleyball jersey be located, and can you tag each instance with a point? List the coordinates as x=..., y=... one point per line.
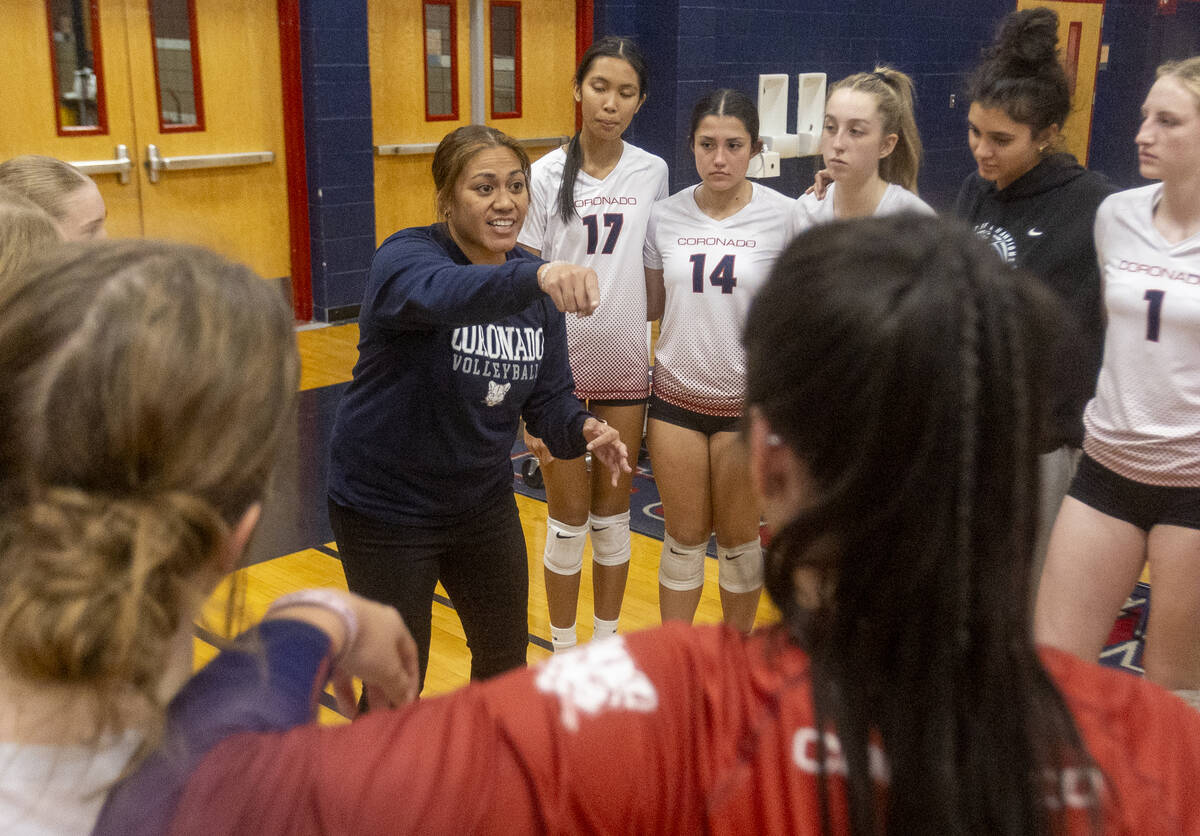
x=608, y=350
x=1144, y=422
x=896, y=199
x=712, y=270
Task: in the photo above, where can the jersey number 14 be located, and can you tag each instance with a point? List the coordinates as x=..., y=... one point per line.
x=722, y=275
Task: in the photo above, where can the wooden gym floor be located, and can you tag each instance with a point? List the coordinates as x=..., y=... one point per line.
x=294, y=547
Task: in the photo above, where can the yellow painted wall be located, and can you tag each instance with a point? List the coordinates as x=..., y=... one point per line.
x=27, y=106
x=240, y=212
x=548, y=64
x=1076, y=132
x=404, y=192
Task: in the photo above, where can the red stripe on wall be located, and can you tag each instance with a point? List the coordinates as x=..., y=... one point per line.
x=584, y=24
x=297, y=161
x=1071, y=56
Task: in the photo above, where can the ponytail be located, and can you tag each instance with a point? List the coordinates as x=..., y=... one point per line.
x=566, y=189
x=101, y=583
x=94, y=588
x=904, y=163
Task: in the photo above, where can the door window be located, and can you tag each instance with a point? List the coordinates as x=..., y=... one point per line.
x=75, y=59
x=506, y=59
x=441, y=80
x=176, y=65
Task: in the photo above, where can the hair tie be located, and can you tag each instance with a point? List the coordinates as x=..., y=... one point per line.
x=882, y=77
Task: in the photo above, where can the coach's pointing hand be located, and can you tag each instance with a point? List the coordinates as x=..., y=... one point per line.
x=572, y=288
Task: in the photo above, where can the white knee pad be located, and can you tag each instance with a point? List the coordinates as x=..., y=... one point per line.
x=681, y=567
x=610, y=539
x=741, y=567
x=564, y=547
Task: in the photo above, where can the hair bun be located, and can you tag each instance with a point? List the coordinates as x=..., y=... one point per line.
x=1027, y=41
x=94, y=583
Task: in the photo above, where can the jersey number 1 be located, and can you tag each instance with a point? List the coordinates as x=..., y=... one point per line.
x=721, y=276
x=1155, y=298
x=612, y=221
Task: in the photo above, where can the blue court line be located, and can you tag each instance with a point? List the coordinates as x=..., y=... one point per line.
x=445, y=602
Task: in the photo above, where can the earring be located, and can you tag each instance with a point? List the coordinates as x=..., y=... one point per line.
x=773, y=440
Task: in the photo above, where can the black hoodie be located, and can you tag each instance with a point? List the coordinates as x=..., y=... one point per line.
x=1042, y=222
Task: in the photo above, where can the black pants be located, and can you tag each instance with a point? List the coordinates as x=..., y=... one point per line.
x=481, y=563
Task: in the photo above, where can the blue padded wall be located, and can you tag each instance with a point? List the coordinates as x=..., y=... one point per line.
x=1138, y=40
x=696, y=45
x=341, y=168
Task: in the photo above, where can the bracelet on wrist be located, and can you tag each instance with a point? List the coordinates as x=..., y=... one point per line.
x=541, y=271
x=326, y=599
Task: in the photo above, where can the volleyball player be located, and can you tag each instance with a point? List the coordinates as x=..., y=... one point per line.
x=589, y=205
x=62, y=191
x=131, y=479
x=871, y=150
x=709, y=248
x=1136, y=496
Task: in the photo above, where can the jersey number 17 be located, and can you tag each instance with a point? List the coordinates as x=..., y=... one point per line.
x=612, y=222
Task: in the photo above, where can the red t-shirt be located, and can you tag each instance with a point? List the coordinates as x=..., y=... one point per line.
x=674, y=730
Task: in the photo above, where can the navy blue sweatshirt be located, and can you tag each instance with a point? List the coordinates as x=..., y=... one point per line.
x=1042, y=222
x=450, y=356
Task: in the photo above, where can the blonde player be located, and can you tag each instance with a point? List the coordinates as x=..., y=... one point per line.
x=1136, y=495
x=709, y=248
x=871, y=150
x=590, y=202
x=60, y=190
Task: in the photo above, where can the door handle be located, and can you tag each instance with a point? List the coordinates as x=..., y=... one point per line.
x=430, y=147
x=120, y=165
x=155, y=162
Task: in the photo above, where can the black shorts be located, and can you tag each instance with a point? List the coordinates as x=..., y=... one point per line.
x=699, y=422
x=590, y=402
x=1136, y=503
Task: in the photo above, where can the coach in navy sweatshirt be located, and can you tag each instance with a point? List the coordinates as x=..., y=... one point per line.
x=461, y=335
